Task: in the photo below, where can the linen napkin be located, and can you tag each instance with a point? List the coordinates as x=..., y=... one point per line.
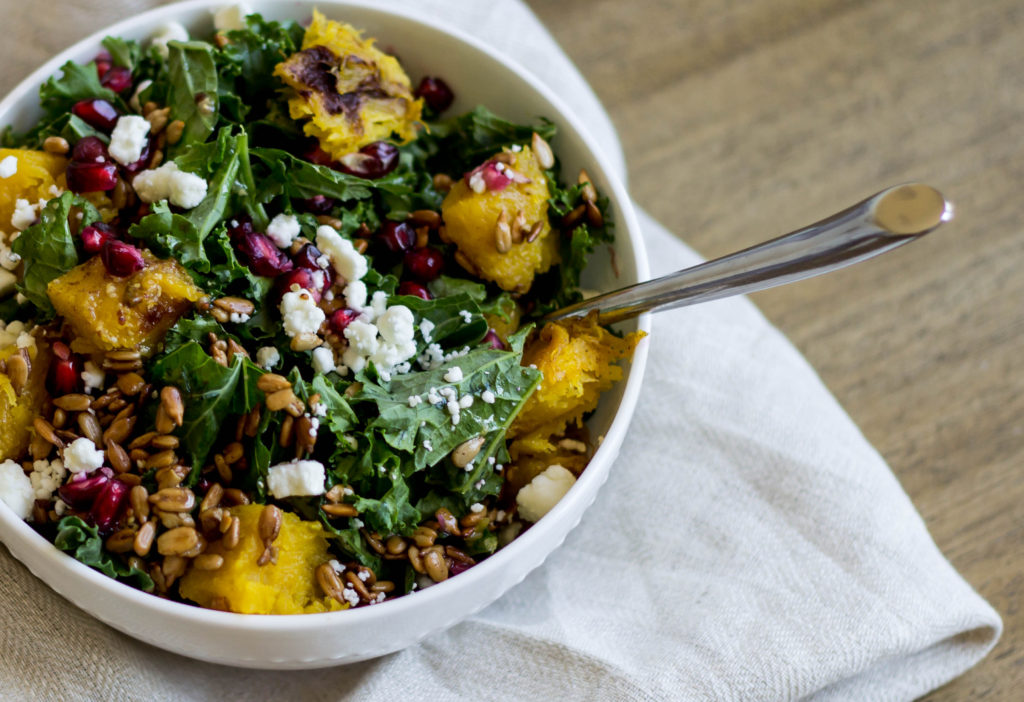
x=749, y=544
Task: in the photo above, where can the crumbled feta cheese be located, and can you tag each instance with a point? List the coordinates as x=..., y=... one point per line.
x=433, y=397
x=82, y=455
x=16, y=489
x=476, y=507
x=296, y=479
x=349, y=263
x=544, y=491
x=129, y=139
x=93, y=377
x=453, y=375
x=24, y=214
x=466, y=315
x=431, y=358
x=362, y=342
x=414, y=400
x=300, y=313
x=466, y=401
x=46, y=477
x=378, y=303
x=428, y=445
x=454, y=411
x=283, y=229
x=8, y=167
x=239, y=317
x=267, y=357
x=363, y=575
x=229, y=17
x=319, y=409
x=323, y=360
x=488, y=397
x=165, y=33
x=168, y=182
x=426, y=329
x=355, y=295
x=338, y=567
x=350, y=595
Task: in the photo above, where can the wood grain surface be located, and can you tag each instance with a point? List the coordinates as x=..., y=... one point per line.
x=744, y=119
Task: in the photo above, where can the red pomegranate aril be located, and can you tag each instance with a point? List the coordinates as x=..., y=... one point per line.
x=121, y=259
x=307, y=258
x=459, y=567
x=340, y=319
x=65, y=375
x=106, y=509
x=415, y=289
x=91, y=177
x=89, y=149
x=102, y=66
x=117, y=78
x=94, y=236
x=319, y=204
x=240, y=225
x=80, y=492
x=424, y=264
x=372, y=161
x=436, y=93
x=97, y=113
x=315, y=154
x=203, y=485
x=261, y=255
x=492, y=339
x=313, y=281
x=399, y=237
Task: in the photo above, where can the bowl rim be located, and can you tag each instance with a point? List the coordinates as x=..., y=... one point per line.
x=628, y=223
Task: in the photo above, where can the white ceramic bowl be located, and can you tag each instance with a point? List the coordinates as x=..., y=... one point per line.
x=478, y=76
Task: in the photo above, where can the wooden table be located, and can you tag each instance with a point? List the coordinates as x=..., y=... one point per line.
x=746, y=119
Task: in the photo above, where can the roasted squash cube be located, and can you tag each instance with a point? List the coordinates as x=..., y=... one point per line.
x=38, y=177
x=471, y=220
x=107, y=312
x=288, y=586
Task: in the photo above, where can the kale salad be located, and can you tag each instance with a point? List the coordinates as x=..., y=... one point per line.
x=272, y=336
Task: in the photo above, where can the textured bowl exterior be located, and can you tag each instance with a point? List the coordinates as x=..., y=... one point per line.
x=320, y=640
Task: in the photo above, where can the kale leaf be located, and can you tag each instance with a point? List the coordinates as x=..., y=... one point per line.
x=84, y=544
x=193, y=89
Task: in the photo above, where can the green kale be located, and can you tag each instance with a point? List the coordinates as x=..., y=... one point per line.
x=193, y=90
x=85, y=544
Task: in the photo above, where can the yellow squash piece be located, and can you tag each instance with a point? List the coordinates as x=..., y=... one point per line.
x=471, y=220
x=351, y=92
x=578, y=359
x=37, y=175
x=106, y=312
x=286, y=587
x=19, y=410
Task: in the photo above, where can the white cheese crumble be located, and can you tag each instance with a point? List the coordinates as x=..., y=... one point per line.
x=466, y=315
x=323, y=360
x=426, y=329
x=8, y=167
x=476, y=508
x=319, y=409
x=414, y=400
x=388, y=343
x=349, y=263
x=300, y=313
x=296, y=479
x=46, y=477
x=350, y=595
x=544, y=491
x=355, y=295
x=128, y=139
x=168, y=182
x=453, y=375
x=488, y=397
x=168, y=32
x=82, y=455
x=283, y=229
x=16, y=489
x=228, y=17
x=239, y=317
x=24, y=214
x=428, y=445
x=466, y=401
x=92, y=377
x=267, y=357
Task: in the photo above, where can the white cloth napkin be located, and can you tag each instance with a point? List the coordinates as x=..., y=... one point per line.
x=749, y=544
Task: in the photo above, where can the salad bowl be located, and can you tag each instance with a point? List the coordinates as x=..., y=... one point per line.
x=479, y=76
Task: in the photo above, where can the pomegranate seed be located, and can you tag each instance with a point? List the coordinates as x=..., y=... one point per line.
x=459, y=567
x=424, y=264
x=415, y=289
x=372, y=161
x=340, y=319
x=313, y=281
x=319, y=204
x=117, y=78
x=80, y=492
x=91, y=177
x=106, y=509
x=397, y=236
x=121, y=259
x=309, y=258
x=203, y=485
x=240, y=225
x=436, y=93
x=262, y=256
x=65, y=375
x=492, y=339
x=314, y=154
x=93, y=239
x=487, y=177
x=102, y=66
x=88, y=149
x=97, y=112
